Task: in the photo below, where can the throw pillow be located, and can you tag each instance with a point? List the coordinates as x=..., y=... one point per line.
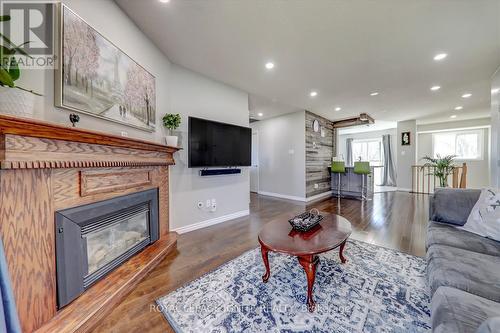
x=490, y=325
x=484, y=218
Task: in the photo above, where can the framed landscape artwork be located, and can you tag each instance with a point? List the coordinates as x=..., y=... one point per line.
x=97, y=78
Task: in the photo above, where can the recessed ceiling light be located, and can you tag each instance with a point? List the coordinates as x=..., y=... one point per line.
x=459, y=107
x=164, y=1
x=440, y=56
x=374, y=93
x=338, y=108
x=495, y=90
x=269, y=65
x=434, y=88
x=453, y=116
x=260, y=114
x=467, y=95
x=313, y=93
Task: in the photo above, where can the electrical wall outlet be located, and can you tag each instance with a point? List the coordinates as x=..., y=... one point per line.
x=210, y=205
x=124, y=134
x=316, y=186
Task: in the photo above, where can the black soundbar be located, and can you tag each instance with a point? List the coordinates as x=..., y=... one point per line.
x=217, y=172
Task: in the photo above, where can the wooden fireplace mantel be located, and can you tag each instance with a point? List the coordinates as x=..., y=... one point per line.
x=27, y=143
x=46, y=167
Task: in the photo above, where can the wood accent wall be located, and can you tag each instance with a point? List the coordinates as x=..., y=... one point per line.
x=45, y=168
x=319, y=153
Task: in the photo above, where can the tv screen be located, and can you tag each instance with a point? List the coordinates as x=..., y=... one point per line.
x=214, y=144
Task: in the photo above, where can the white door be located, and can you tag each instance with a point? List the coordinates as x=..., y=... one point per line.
x=254, y=169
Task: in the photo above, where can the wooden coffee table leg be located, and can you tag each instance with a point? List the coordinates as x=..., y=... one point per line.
x=309, y=264
x=264, y=251
x=341, y=252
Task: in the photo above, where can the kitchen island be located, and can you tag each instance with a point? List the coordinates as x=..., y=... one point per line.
x=350, y=183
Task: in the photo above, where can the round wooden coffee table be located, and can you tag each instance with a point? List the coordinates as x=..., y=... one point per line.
x=278, y=236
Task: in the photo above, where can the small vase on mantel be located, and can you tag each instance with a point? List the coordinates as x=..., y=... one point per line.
x=172, y=140
x=16, y=102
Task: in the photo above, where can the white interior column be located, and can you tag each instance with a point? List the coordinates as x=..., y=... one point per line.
x=406, y=155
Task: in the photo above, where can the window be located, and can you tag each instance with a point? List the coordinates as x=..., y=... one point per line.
x=466, y=145
x=368, y=150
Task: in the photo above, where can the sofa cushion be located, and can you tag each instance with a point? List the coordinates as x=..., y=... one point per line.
x=438, y=233
x=452, y=205
x=472, y=272
x=457, y=311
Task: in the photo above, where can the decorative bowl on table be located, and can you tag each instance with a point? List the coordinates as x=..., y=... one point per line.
x=306, y=221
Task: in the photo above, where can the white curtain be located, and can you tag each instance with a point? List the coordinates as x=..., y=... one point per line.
x=389, y=174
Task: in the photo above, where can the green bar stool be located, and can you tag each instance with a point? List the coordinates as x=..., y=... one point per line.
x=338, y=168
x=363, y=169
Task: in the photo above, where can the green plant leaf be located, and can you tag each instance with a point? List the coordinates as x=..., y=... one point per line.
x=4, y=18
x=8, y=41
x=4, y=56
x=5, y=78
x=5, y=51
x=19, y=50
x=15, y=47
x=14, y=71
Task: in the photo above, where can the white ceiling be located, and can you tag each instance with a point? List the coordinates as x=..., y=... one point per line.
x=268, y=107
x=342, y=49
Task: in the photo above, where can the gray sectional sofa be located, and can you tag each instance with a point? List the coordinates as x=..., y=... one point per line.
x=463, y=269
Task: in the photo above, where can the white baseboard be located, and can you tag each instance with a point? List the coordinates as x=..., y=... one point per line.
x=282, y=196
x=291, y=197
x=319, y=196
x=402, y=189
x=216, y=220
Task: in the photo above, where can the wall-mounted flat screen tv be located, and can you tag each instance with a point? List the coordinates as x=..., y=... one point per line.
x=215, y=144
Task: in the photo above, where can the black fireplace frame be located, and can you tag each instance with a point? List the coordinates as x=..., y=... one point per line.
x=71, y=251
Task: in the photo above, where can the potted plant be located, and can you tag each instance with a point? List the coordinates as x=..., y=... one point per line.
x=171, y=122
x=443, y=167
x=14, y=99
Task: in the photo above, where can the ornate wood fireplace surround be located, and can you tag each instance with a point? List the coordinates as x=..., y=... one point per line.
x=45, y=168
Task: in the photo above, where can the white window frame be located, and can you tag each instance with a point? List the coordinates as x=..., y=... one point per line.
x=480, y=132
x=378, y=140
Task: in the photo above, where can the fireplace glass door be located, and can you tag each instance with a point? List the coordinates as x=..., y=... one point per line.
x=106, y=244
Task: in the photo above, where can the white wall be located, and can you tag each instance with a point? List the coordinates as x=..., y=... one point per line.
x=405, y=154
x=282, y=159
x=478, y=172
x=178, y=90
x=194, y=95
x=448, y=125
x=495, y=132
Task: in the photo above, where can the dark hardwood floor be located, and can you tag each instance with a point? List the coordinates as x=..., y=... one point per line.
x=396, y=220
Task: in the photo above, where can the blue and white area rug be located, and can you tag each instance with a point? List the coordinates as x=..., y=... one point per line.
x=377, y=290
